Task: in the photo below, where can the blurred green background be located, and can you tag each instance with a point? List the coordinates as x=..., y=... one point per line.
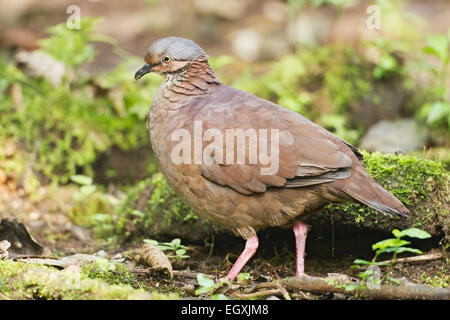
x=69, y=104
x=71, y=113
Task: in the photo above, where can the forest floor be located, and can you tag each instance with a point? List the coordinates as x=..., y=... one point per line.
x=50, y=225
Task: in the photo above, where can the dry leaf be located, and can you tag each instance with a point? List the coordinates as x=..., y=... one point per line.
x=41, y=64
x=4, y=246
x=79, y=259
x=153, y=257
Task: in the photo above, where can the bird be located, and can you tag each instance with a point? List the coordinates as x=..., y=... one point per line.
x=234, y=189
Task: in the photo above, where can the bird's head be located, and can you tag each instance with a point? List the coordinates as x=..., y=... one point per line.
x=170, y=55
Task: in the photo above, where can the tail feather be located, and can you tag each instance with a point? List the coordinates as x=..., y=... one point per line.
x=368, y=192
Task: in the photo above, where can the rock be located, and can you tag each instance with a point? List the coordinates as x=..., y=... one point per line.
x=101, y=254
x=246, y=44
x=310, y=27
x=41, y=64
x=253, y=45
x=403, y=136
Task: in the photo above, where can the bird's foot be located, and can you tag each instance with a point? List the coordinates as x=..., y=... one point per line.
x=250, y=248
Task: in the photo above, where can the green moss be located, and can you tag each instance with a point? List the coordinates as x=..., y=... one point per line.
x=152, y=209
x=110, y=272
x=440, y=280
x=63, y=130
x=30, y=281
x=422, y=185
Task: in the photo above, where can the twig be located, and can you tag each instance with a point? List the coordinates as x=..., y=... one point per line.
x=190, y=274
x=265, y=293
x=426, y=257
x=416, y=292
x=178, y=273
x=278, y=287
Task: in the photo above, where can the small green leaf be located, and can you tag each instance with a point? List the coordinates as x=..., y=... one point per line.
x=406, y=249
x=180, y=252
x=138, y=213
x=437, y=45
x=389, y=243
x=204, y=281
x=176, y=242
x=416, y=233
x=439, y=110
x=81, y=180
x=361, y=261
x=219, y=296
x=152, y=242
x=397, y=233
x=243, y=276
x=88, y=190
x=393, y=280
x=351, y=287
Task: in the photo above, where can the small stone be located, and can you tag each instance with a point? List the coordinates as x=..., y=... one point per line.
x=403, y=135
x=101, y=254
x=4, y=246
x=246, y=44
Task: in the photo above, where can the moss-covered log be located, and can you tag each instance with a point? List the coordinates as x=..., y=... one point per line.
x=152, y=209
x=20, y=280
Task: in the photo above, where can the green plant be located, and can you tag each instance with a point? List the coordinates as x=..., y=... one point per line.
x=62, y=129
x=208, y=286
x=437, y=111
x=89, y=202
x=175, y=249
x=393, y=246
x=110, y=272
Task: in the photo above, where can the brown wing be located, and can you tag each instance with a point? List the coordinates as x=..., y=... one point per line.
x=308, y=154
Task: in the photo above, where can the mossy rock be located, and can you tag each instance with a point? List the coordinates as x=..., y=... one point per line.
x=152, y=209
x=20, y=280
x=421, y=184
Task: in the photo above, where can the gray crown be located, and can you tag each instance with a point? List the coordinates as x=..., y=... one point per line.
x=177, y=48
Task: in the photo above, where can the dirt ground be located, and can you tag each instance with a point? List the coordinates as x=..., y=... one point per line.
x=50, y=226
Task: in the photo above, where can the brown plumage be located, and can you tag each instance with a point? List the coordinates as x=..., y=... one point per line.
x=315, y=166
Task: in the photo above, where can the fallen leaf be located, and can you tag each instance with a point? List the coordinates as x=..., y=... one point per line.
x=22, y=243
x=4, y=246
x=70, y=261
x=41, y=64
x=153, y=257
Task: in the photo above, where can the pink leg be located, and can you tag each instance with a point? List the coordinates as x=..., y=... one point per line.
x=250, y=248
x=300, y=241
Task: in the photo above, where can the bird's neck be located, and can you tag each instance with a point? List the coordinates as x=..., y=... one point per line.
x=195, y=79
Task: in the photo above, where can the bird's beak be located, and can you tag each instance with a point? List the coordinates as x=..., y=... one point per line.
x=142, y=71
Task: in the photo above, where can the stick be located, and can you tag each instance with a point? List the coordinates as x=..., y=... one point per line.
x=279, y=289
x=271, y=292
x=416, y=292
x=190, y=274
x=426, y=257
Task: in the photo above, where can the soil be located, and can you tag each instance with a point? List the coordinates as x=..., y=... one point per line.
x=51, y=227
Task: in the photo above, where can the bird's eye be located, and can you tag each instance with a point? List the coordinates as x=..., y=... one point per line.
x=166, y=59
